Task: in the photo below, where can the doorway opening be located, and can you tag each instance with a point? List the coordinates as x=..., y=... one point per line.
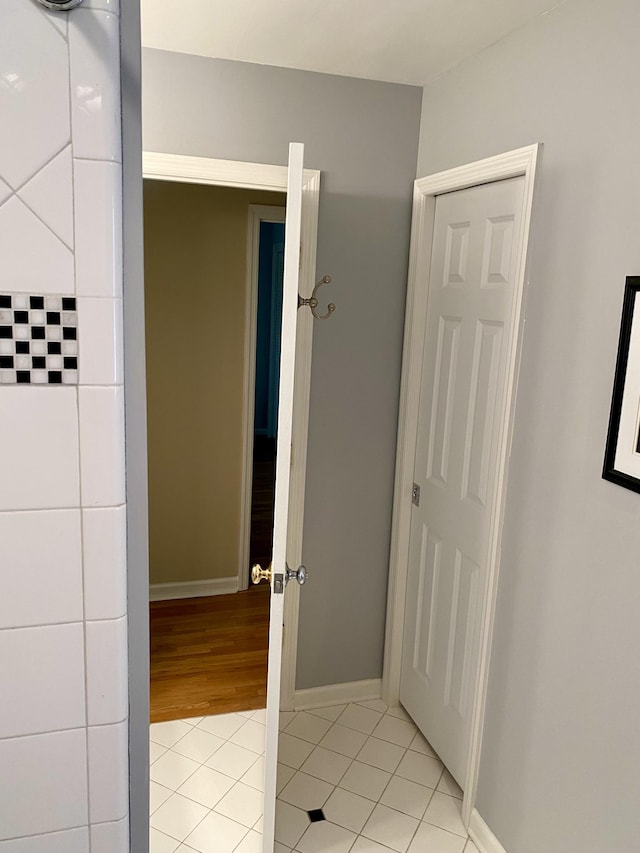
x=235, y=734
x=213, y=296
x=270, y=270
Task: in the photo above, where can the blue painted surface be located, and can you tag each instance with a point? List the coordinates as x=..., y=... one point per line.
x=268, y=327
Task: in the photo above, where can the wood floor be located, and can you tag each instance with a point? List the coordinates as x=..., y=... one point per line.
x=262, y=494
x=209, y=655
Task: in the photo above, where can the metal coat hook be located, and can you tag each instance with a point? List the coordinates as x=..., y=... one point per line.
x=312, y=301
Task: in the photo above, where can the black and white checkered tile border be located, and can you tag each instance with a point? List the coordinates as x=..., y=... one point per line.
x=38, y=339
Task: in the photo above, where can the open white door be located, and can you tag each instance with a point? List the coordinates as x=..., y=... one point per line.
x=278, y=573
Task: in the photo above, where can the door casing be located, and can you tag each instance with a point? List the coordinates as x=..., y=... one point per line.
x=525, y=162
x=257, y=213
x=257, y=176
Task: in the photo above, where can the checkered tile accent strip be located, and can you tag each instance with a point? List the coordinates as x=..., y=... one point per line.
x=38, y=340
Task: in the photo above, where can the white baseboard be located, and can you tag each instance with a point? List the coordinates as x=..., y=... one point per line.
x=481, y=835
x=192, y=589
x=338, y=694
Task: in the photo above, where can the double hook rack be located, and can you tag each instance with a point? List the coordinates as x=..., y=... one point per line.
x=312, y=301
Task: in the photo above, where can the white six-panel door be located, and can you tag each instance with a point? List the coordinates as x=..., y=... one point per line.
x=470, y=319
x=290, y=288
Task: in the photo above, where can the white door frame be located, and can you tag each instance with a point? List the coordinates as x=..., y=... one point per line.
x=257, y=213
x=521, y=162
x=257, y=176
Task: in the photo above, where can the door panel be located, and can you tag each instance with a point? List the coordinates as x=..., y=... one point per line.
x=290, y=291
x=482, y=404
x=469, y=320
x=445, y=380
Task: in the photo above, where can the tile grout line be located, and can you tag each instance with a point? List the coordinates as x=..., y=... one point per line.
x=391, y=775
x=210, y=810
x=49, y=228
x=67, y=144
x=77, y=507
x=295, y=770
x=80, y=495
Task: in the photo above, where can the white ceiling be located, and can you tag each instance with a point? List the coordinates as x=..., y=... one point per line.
x=402, y=41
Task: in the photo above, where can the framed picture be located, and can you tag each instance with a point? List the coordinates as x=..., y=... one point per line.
x=622, y=454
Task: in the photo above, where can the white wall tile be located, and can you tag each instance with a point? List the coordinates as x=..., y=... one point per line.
x=39, y=437
x=105, y=553
x=57, y=21
x=110, y=837
x=49, y=194
x=41, y=568
x=32, y=258
x=105, y=5
x=107, y=698
x=69, y=841
x=48, y=783
x=43, y=777
x=94, y=45
x=108, y=772
x=102, y=446
x=100, y=341
x=98, y=228
x=5, y=191
x=34, y=97
x=42, y=678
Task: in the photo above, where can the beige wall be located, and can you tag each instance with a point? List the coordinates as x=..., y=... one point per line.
x=195, y=281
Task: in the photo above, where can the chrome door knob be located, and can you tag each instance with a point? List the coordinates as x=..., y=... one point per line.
x=300, y=574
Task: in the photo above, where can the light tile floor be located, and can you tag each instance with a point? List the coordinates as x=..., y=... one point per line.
x=380, y=786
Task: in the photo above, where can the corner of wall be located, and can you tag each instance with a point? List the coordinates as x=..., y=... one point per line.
x=63, y=624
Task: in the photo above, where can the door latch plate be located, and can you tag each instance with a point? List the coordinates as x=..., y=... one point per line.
x=415, y=495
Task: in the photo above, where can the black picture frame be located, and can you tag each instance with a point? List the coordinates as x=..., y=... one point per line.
x=624, y=393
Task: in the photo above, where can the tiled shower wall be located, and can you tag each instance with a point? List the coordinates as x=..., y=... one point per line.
x=63, y=629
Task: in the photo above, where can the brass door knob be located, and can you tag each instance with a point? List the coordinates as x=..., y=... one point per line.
x=259, y=574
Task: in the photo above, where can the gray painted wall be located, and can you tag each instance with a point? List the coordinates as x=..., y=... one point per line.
x=561, y=762
x=363, y=135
